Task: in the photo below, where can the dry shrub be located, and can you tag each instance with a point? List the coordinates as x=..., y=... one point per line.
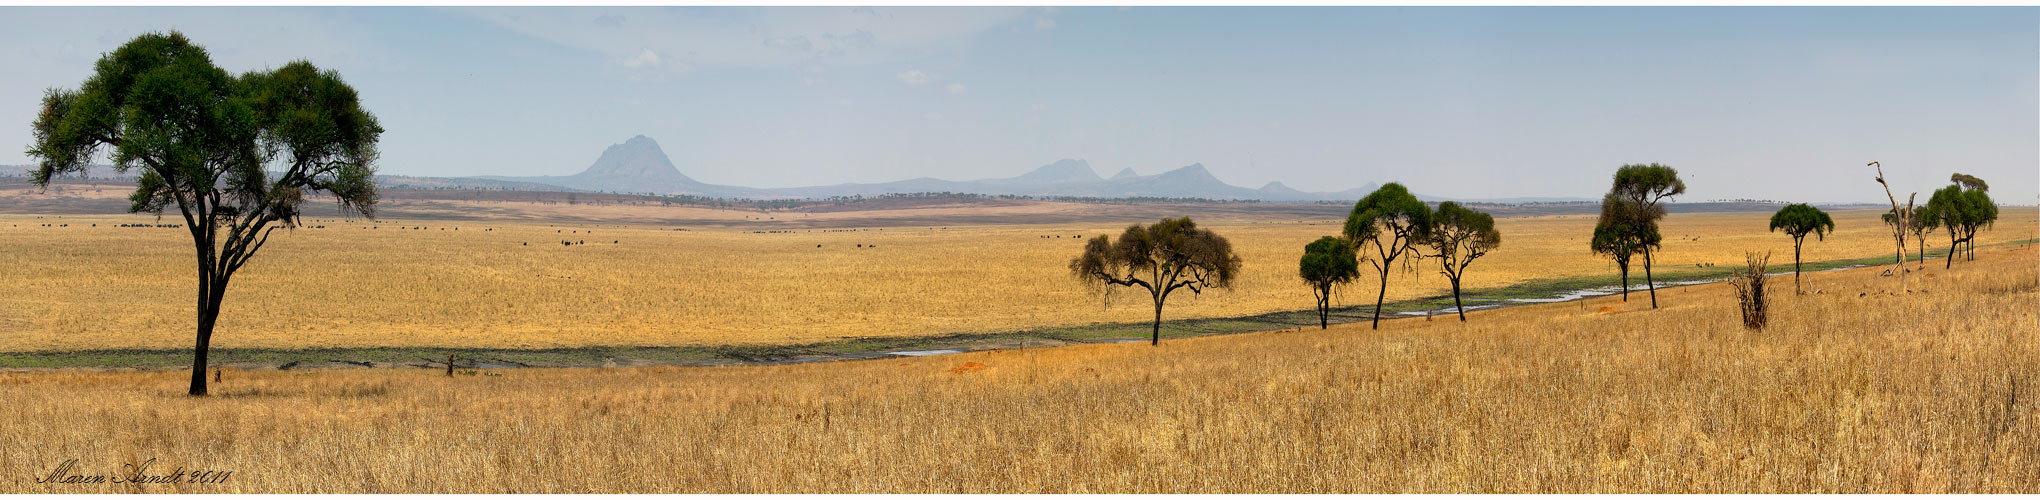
x=1749, y=290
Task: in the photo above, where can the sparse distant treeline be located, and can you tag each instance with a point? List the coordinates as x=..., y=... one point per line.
x=1387, y=227
x=790, y=204
x=1390, y=230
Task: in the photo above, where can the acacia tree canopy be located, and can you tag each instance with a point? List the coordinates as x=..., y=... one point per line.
x=1969, y=182
x=1458, y=236
x=1643, y=187
x=1162, y=257
x=1326, y=264
x=1962, y=212
x=1392, y=221
x=1797, y=220
x=1800, y=219
x=1621, y=233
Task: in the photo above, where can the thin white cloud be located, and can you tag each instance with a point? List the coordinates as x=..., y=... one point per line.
x=645, y=59
x=914, y=77
x=956, y=89
x=1044, y=24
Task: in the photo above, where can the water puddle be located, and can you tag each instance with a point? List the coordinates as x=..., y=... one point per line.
x=1572, y=295
x=931, y=352
x=1448, y=311
x=1611, y=290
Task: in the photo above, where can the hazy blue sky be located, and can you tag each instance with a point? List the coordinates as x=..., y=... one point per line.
x=1780, y=103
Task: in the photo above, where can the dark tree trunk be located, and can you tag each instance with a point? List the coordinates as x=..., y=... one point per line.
x=211, y=291
x=1157, y=339
x=1647, y=281
x=1795, y=263
x=198, y=356
x=1455, y=300
x=1324, y=309
x=204, y=306
x=1625, y=283
x=1379, y=295
x=1954, y=247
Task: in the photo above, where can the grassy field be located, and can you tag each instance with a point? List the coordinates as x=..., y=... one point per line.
x=84, y=284
x=1857, y=388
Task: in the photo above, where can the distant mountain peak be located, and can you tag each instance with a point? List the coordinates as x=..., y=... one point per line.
x=1065, y=171
x=1194, y=170
x=636, y=158
x=1125, y=173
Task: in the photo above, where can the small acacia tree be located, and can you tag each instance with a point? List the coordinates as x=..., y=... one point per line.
x=1393, y=222
x=1644, y=187
x=1969, y=181
x=1796, y=220
x=1161, y=258
x=1985, y=211
x=1621, y=235
x=1919, y=224
x=206, y=142
x=1327, y=263
x=1458, y=236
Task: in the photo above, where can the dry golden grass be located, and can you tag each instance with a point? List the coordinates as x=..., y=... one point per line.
x=1856, y=389
x=83, y=287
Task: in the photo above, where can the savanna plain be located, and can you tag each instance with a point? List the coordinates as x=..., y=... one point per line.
x=1859, y=385
x=83, y=282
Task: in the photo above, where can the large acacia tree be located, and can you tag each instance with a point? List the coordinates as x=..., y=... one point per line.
x=237, y=156
x=1162, y=257
x=1644, y=187
x=1621, y=235
x=1796, y=220
x=1985, y=211
x=1392, y=221
x=1458, y=236
x=1962, y=208
x=1326, y=264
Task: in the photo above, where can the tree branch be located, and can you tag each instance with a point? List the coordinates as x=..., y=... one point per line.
x=1129, y=281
